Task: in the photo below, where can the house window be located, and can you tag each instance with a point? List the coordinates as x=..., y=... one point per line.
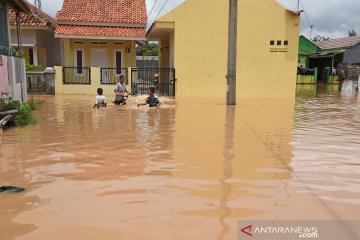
x=286, y=42
x=278, y=43
x=118, y=61
x=79, y=61
x=272, y=43
x=3, y=26
x=31, y=56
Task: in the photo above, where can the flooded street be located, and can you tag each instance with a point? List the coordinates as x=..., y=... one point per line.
x=188, y=170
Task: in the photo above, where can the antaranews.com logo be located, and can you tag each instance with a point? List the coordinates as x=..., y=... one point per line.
x=302, y=232
x=298, y=230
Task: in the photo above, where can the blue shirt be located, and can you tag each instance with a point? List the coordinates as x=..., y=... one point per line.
x=152, y=101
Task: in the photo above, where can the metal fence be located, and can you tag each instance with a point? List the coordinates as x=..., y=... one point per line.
x=162, y=79
x=76, y=75
x=111, y=75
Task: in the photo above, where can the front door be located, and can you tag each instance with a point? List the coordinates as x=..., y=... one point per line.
x=99, y=57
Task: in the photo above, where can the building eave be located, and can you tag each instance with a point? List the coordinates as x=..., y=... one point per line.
x=99, y=24
x=33, y=28
x=100, y=37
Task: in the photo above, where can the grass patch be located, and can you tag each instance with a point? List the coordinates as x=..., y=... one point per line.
x=24, y=115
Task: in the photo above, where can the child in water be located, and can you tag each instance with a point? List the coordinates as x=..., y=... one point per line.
x=100, y=100
x=151, y=100
x=120, y=91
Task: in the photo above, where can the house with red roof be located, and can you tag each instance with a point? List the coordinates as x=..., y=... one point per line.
x=37, y=36
x=101, y=35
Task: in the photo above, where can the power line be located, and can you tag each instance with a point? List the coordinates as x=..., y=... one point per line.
x=308, y=19
x=306, y=15
x=161, y=9
x=152, y=8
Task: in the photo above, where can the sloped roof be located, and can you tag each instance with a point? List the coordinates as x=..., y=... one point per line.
x=338, y=43
x=35, y=18
x=98, y=19
x=109, y=11
x=19, y=5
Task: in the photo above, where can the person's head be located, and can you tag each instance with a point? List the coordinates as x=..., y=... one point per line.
x=156, y=76
x=121, y=79
x=151, y=91
x=100, y=91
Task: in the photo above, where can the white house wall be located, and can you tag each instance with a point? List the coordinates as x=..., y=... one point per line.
x=28, y=37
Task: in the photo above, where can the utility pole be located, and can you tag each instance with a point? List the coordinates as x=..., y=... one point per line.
x=38, y=4
x=232, y=54
x=298, y=5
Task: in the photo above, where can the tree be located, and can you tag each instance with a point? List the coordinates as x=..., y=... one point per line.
x=150, y=49
x=352, y=33
x=319, y=38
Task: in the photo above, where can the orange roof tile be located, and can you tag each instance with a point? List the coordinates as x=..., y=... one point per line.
x=109, y=11
x=36, y=18
x=100, y=31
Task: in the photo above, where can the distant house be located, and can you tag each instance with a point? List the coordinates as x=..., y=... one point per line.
x=194, y=40
x=306, y=49
x=101, y=34
x=12, y=69
x=330, y=55
x=18, y=6
x=37, y=37
x=352, y=55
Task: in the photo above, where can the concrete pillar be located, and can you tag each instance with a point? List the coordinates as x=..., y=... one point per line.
x=35, y=56
x=49, y=74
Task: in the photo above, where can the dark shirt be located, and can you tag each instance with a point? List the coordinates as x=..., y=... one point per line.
x=152, y=101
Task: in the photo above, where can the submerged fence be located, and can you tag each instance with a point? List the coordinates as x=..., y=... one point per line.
x=86, y=80
x=76, y=75
x=162, y=79
x=111, y=75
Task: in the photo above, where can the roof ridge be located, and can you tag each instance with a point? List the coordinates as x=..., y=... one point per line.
x=110, y=11
x=36, y=17
x=38, y=12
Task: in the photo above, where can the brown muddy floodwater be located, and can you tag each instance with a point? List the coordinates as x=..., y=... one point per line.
x=189, y=170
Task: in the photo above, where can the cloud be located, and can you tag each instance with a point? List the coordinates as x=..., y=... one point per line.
x=333, y=18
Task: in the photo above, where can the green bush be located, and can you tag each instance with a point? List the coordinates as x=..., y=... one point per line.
x=32, y=68
x=23, y=117
x=29, y=67
x=33, y=104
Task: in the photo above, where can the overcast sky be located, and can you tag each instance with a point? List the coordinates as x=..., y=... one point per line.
x=331, y=18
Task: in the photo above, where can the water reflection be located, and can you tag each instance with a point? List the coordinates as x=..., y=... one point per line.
x=229, y=156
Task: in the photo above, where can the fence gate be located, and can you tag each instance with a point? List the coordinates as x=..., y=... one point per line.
x=162, y=79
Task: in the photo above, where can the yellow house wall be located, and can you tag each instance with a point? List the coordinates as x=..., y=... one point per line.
x=200, y=48
x=70, y=46
x=73, y=89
